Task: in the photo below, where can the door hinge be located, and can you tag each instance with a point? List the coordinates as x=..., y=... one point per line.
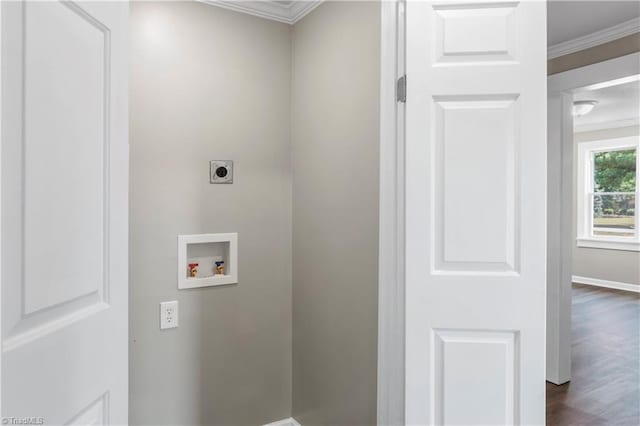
x=401, y=89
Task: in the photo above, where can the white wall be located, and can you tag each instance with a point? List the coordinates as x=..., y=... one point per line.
x=208, y=83
x=611, y=265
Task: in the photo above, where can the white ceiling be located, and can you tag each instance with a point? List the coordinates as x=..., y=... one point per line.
x=617, y=105
x=568, y=20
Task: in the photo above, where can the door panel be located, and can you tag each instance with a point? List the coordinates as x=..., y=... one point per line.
x=66, y=260
x=64, y=211
x=489, y=175
x=463, y=388
x=475, y=212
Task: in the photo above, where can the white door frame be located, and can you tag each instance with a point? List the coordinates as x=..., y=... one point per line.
x=560, y=224
x=391, y=284
x=1, y=348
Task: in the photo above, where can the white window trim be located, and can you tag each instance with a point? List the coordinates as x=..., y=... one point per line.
x=585, y=237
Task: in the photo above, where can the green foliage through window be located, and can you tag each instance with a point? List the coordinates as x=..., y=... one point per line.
x=614, y=201
x=615, y=171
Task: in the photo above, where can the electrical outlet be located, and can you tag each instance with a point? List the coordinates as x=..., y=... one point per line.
x=168, y=314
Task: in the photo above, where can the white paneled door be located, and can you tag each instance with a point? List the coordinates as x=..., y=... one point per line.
x=475, y=212
x=64, y=212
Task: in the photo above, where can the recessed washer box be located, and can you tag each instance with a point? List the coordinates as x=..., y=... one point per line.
x=199, y=258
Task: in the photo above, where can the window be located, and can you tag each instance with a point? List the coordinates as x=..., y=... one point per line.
x=608, y=194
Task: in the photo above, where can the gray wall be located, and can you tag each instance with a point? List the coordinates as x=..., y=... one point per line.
x=613, y=49
x=335, y=141
x=207, y=83
x=612, y=265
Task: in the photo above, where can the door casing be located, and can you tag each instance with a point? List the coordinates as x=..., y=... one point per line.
x=391, y=222
x=560, y=88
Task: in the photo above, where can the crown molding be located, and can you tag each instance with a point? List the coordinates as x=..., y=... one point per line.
x=286, y=13
x=594, y=39
x=300, y=9
x=590, y=127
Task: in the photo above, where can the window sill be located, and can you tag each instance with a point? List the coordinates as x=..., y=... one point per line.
x=609, y=244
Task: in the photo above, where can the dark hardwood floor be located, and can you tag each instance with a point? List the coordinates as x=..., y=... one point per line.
x=605, y=384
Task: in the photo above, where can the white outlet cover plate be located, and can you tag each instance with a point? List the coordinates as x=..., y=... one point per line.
x=168, y=314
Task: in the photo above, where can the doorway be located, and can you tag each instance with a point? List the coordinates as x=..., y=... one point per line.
x=593, y=262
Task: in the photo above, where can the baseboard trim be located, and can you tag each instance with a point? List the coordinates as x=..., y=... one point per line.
x=605, y=283
x=285, y=422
